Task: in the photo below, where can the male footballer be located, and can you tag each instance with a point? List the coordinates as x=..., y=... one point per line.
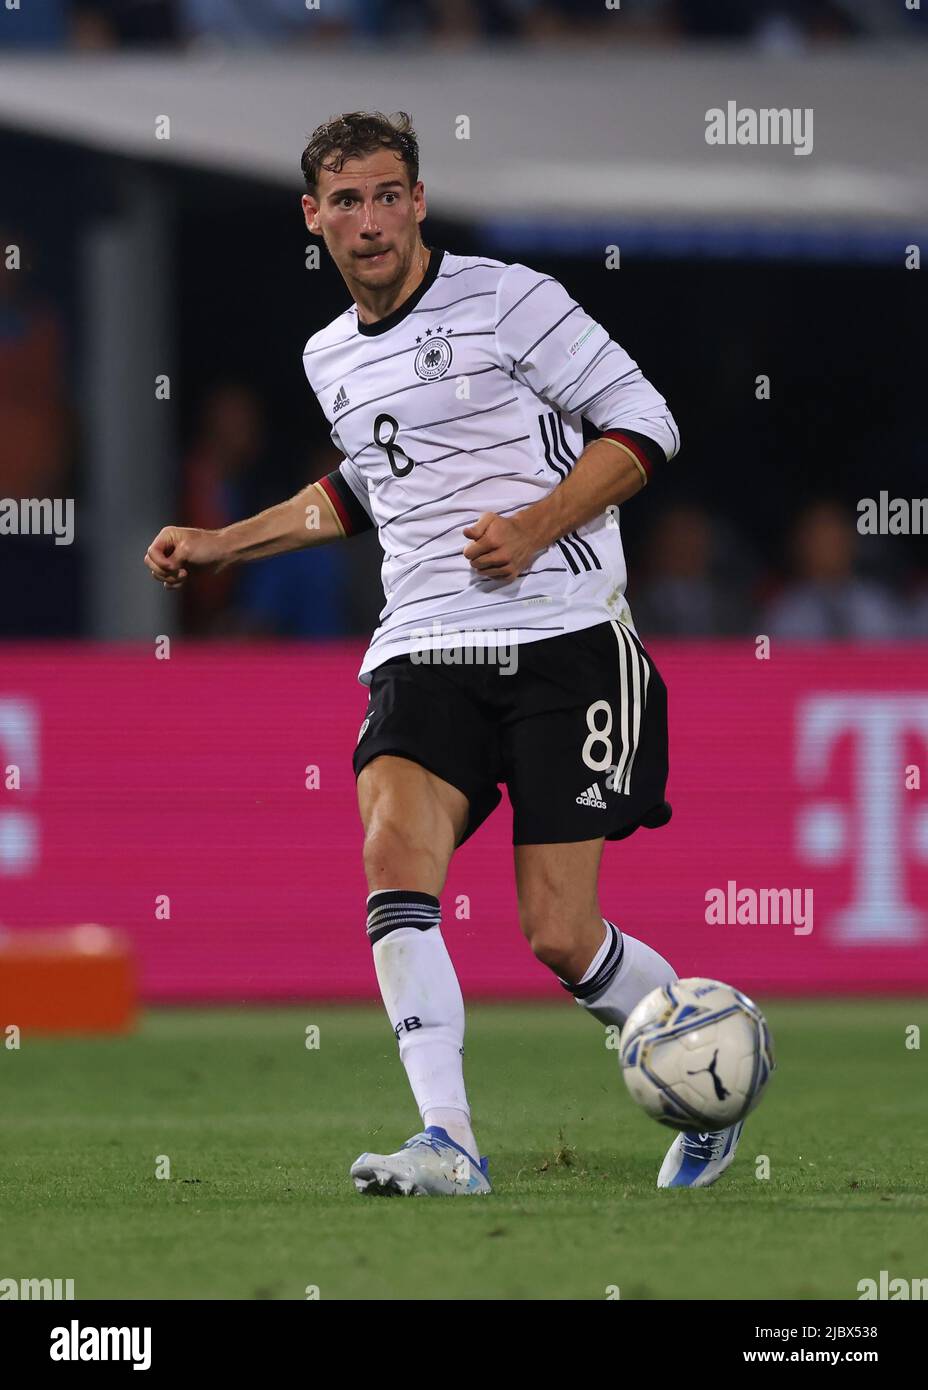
x=456, y=387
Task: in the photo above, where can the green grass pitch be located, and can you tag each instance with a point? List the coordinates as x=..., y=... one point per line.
x=260, y=1130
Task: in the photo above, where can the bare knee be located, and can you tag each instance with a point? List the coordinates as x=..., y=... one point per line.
x=396, y=856
x=409, y=832
x=558, y=938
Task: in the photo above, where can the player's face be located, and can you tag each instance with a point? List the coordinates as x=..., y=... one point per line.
x=369, y=217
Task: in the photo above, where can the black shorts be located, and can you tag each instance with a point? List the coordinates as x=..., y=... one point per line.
x=577, y=732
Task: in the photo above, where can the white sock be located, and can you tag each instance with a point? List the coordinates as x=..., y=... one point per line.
x=621, y=973
x=456, y=1124
x=423, y=1001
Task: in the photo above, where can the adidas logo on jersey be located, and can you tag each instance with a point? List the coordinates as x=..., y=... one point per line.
x=341, y=400
x=592, y=797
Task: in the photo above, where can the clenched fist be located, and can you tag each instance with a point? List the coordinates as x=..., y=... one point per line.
x=177, y=550
x=502, y=547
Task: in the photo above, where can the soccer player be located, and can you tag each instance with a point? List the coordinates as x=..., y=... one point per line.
x=455, y=387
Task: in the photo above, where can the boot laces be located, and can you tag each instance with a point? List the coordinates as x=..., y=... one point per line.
x=705, y=1147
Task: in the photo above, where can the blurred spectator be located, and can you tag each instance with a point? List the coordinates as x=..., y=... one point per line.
x=124, y=23
x=43, y=25
x=40, y=581
x=270, y=21
x=33, y=413
x=221, y=484
x=782, y=25
x=773, y=22
x=684, y=593
x=827, y=600
x=586, y=20
x=917, y=624
x=304, y=593
x=463, y=21
x=297, y=595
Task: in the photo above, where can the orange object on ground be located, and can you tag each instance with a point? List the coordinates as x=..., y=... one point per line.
x=71, y=980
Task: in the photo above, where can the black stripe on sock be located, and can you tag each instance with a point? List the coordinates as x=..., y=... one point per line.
x=606, y=972
x=392, y=908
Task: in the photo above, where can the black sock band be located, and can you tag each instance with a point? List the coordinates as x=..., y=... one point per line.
x=391, y=908
x=606, y=972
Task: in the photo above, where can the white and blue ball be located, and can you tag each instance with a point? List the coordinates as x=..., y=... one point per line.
x=696, y=1054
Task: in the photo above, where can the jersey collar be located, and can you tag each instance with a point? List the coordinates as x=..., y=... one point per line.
x=370, y=330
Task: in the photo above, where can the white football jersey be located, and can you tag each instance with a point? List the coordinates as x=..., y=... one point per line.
x=467, y=399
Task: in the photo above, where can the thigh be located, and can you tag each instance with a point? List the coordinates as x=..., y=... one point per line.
x=584, y=744
x=433, y=717
x=558, y=880
x=412, y=822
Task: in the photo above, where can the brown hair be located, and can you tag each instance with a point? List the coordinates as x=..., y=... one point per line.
x=358, y=133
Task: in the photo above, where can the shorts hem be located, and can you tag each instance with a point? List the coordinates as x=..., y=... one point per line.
x=651, y=819
x=479, y=807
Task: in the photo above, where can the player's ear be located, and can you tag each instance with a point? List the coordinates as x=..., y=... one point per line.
x=311, y=214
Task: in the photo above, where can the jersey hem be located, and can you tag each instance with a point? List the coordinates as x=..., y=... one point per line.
x=576, y=622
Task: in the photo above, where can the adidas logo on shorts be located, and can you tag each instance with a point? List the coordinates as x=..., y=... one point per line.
x=592, y=797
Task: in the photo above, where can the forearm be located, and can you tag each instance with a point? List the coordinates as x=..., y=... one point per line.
x=306, y=519
x=604, y=475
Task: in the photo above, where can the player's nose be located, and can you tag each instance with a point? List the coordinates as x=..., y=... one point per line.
x=369, y=221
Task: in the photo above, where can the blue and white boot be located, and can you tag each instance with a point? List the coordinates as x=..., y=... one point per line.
x=429, y=1164
x=698, y=1160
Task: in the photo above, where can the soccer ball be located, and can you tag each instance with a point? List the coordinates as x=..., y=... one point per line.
x=696, y=1054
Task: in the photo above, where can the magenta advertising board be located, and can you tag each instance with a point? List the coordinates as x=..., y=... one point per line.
x=205, y=805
